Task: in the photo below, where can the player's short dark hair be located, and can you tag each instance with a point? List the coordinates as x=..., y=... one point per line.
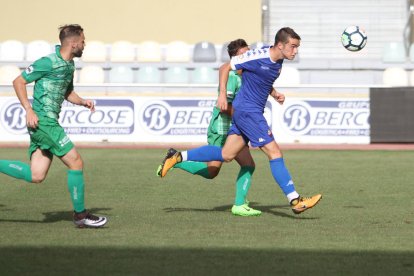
x=235, y=45
x=69, y=30
x=284, y=34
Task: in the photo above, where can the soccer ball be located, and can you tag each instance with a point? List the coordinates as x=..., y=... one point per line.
x=354, y=38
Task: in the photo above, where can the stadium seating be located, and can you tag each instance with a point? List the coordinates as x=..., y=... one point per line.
x=12, y=50
x=95, y=51
x=176, y=74
x=395, y=76
x=288, y=76
x=177, y=51
x=204, y=52
x=122, y=51
x=37, y=49
x=8, y=73
x=149, y=51
x=224, y=55
x=204, y=75
x=148, y=74
x=121, y=74
x=91, y=74
x=394, y=52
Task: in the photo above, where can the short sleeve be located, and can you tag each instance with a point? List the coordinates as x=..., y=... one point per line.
x=242, y=62
x=37, y=70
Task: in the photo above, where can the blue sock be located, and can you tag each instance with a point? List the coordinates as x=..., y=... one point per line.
x=205, y=154
x=282, y=176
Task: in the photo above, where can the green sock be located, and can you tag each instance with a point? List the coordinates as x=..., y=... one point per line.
x=16, y=169
x=198, y=168
x=76, y=189
x=244, y=179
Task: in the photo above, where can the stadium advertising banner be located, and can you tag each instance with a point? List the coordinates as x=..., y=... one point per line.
x=185, y=119
x=322, y=121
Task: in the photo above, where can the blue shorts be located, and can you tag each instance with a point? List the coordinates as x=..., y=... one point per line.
x=253, y=127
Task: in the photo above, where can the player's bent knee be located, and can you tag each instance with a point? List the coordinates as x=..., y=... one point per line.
x=36, y=179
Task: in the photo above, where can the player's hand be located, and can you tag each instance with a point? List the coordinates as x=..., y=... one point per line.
x=32, y=120
x=222, y=102
x=280, y=98
x=90, y=104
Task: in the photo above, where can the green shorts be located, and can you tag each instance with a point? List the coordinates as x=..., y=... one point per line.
x=51, y=138
x=218, y=128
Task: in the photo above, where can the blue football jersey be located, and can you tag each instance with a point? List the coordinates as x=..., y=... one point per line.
x=259, y=74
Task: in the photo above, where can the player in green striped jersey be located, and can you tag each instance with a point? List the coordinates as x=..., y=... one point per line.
x=53, y=77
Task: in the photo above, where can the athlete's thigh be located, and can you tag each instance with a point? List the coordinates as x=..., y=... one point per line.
x=40, y=162
x=72, y=160
x=244, y=158
x=234, y=144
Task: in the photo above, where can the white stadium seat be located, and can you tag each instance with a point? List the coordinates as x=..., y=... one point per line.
x=12, y=50
x=148, y=74
x=149, y=51
x=121, y=74
x=95, y=51
x=177, y=51
x=122, y=51
x=91, y=74
x=37, y=49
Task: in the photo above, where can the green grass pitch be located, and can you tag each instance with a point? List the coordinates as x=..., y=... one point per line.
x=182, y=224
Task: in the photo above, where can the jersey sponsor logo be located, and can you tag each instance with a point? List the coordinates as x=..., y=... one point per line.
x=264, y=67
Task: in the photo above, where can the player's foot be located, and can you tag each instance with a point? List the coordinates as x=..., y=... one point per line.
x=86, y=219
x=171, y=158
x=301, y=204
x=244, y=211
x=246, y=202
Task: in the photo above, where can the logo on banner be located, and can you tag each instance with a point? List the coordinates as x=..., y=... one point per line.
x=111, y=117
x=327, y=118
x=156, y=117
x=182, y=117
x=13, y=118
x=177, y=117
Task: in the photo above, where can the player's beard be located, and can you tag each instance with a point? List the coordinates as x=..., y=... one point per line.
x=78, y=53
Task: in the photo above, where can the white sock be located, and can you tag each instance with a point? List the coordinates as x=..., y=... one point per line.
x=293, y=195
x=184, y=156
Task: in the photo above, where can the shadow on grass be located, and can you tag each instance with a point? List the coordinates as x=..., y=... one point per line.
x=51, y=217
x=270, y=209
x=179, y=261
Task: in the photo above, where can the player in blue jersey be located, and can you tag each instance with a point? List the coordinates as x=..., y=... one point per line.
x=261, y=67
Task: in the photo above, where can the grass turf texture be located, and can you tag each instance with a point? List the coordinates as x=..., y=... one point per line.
x=182, y=224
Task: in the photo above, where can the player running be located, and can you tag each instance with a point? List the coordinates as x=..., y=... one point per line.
x=261, y=67
x=217, y=135
x=53, y=76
